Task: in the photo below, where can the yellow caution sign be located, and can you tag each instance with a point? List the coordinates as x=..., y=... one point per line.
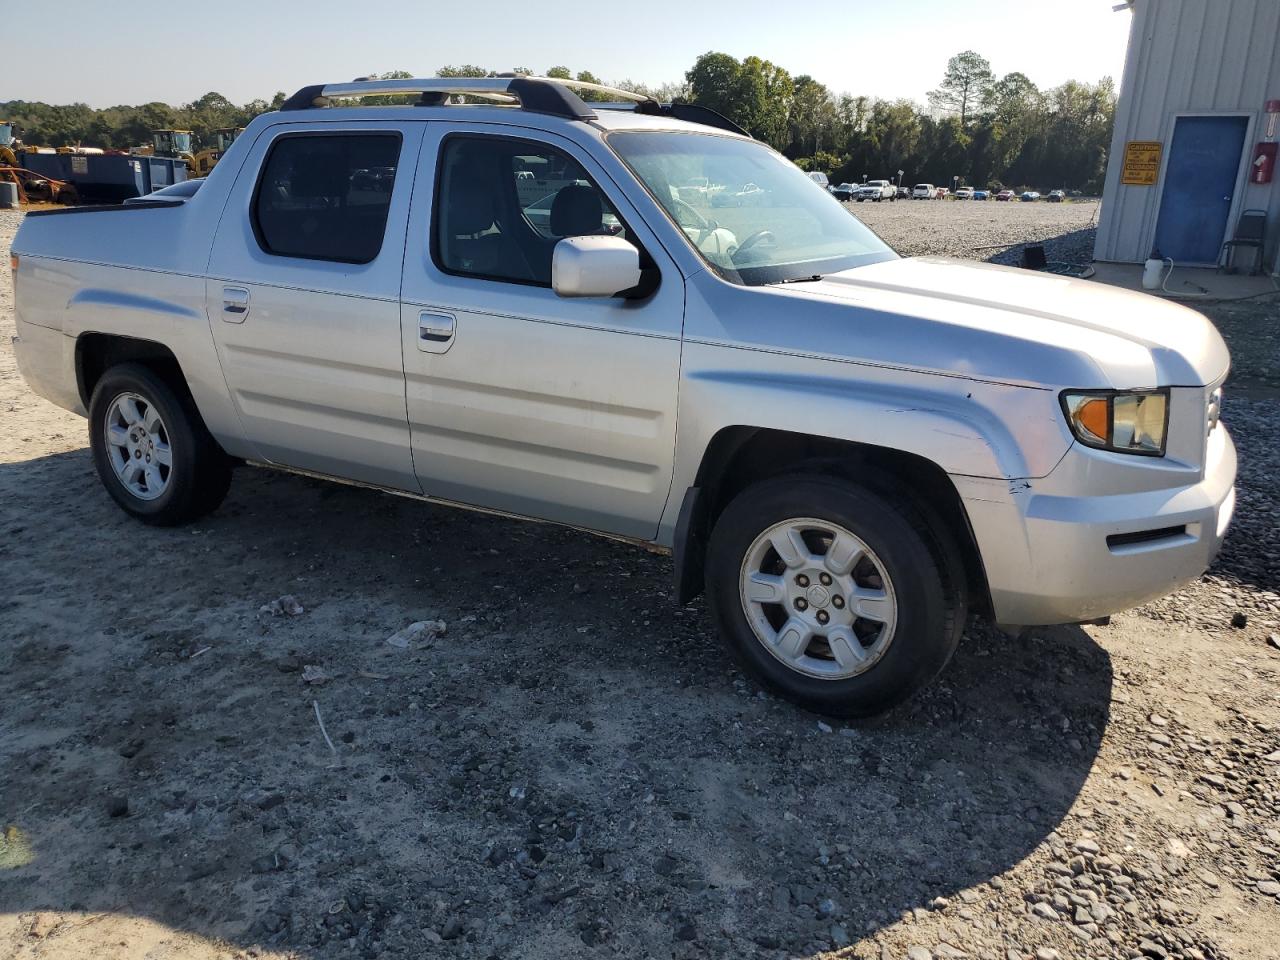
x=1141, y=163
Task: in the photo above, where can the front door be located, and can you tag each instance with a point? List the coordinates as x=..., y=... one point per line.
x=303, y=295
x=1199, y=184
x=519, y=400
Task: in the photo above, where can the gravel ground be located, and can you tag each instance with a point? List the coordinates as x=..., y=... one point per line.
x=572, y=768
x=974, y=230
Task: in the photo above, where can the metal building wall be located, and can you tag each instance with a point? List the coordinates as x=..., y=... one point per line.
x=1190, y=57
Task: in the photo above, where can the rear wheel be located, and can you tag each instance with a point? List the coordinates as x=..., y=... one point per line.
x=833, y=595
x=152, y=450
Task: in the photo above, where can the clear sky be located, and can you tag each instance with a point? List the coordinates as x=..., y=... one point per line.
x=119, y=53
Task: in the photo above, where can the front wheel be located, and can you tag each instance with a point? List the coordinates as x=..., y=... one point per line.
x=152, y=450
x=832, y=595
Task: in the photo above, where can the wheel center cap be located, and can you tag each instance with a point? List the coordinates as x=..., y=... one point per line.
x=818, y=595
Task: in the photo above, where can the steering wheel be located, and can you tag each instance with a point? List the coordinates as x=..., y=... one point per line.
x=760, y=236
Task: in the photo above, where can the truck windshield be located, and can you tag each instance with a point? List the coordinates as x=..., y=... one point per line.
x=752, y=215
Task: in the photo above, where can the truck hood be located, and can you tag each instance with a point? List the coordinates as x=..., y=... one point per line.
x=1128, y=339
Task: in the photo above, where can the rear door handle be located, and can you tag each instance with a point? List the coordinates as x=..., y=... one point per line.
x=235, y=304
x=435, y=331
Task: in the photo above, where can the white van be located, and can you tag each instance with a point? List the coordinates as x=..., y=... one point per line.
x=820, y=179
x=924, y=191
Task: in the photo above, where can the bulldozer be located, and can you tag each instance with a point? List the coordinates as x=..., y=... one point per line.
x=167, y=143
x=207, y=159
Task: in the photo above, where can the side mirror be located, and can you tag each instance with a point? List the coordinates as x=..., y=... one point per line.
x=594, y=266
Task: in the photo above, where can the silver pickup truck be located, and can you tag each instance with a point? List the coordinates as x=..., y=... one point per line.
x=511, y=304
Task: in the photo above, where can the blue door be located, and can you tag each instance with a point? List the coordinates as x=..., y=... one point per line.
x=1199, y=182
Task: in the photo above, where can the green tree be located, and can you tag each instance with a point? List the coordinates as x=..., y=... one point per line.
x=466, y=70
x=893, y=136
x=964, y=86
x=769, y=90
x=713, y=83
x=811, y=121
x=664, y=92
x=586, y=76
x=387, y=100
x=755, y=94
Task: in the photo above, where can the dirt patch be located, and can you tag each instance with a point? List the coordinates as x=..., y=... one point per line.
x=573, y=768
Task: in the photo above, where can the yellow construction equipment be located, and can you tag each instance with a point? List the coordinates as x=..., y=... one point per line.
x=208, y=158
x=167, y=143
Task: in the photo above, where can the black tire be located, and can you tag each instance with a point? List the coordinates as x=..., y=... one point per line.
x=200, y=472
x=920, y=563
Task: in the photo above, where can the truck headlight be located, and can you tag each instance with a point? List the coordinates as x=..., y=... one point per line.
x=1125, y=421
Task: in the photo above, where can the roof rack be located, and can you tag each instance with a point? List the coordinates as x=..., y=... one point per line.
x=539, y=94
x=550, y=95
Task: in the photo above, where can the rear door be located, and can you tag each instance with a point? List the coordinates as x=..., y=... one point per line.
x=303, y=295
x=519, y=400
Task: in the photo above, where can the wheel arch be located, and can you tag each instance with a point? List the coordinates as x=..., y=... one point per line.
x=740, y=455
x=96, y=353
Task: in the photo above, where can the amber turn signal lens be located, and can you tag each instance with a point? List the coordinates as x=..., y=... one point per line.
x=13, y=262
x=1092, y=415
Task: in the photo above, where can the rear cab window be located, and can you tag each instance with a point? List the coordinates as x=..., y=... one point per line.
x=325, y=196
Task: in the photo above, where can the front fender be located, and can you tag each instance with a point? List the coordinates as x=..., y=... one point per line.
x=966, y=427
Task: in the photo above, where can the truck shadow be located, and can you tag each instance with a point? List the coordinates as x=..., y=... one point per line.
x=572, y=765
x=1074, y=246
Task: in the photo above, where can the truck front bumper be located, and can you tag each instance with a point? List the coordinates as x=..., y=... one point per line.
x=1062, y=559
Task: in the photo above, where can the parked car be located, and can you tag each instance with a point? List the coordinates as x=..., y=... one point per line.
x=1005, y=195
x=845, y=191
x=924, y=191
x=1056, y=196
x=903, y=193
x=876, y=190
x=845, y=490
x=964, y=193
x=819, y=178
x=981, y=195
x=943, y=192
x=1029, y=196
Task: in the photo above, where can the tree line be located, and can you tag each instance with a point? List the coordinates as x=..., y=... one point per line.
x=985, y=130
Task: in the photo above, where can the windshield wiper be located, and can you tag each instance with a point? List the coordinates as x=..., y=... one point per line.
x=808, y=279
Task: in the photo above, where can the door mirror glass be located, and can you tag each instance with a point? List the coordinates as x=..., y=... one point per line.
x=597, y=266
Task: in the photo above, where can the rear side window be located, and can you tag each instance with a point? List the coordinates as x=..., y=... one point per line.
x=502, y=204
x=326, y=196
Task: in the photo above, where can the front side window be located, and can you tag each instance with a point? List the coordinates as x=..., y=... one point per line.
x=326, y=196
x=752, y=215
x=502, y=205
